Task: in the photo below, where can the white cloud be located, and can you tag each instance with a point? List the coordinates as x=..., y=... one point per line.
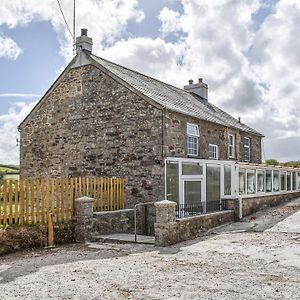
x=19, y=95
x=105, y=20
x=170, y=20
x=275, y=57
x=153, y=57
x=9, y=152
x=9, y=48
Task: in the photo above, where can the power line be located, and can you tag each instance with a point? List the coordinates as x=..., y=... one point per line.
x=74, y=26
x=63, y=15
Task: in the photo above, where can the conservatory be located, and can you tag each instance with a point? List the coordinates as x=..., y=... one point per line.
x=199, y=185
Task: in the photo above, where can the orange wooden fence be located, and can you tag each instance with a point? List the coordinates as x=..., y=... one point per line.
x=31, y=201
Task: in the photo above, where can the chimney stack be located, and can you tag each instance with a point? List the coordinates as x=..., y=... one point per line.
x=84, y=42
x=200, y=88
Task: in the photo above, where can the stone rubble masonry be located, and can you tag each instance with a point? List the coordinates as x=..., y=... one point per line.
x=84, y=216
x=169, y=230
x=251, y=205
x=119, y=221
x=91, y=125
x=210, y=133
x=122, y=221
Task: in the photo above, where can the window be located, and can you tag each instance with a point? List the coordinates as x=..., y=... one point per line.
x=231, y=146
x=192, y=169
x=251, y=181
x=260, y=181
x=192, y=139
x=269, y=187
x=227, y=180
x=283, y=181
x=213, y=151
x=172, y=181
x=242, y=181
x=294, y=180
x=276, y=181
x=213, y=184
x=288, y=181
x=247, y=149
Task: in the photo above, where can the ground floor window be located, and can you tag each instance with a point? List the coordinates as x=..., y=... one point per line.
x=276, y=181
x=294, y=174
x=213, y=185
x=251, y=181
x=192, y=168
x=260, y=181
x=288, y=181
x=242, y=181
x=172, y=181
x=269, y=187
x=227, y=180
x=192, y=192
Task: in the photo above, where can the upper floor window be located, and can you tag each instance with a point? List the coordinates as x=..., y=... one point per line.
x=213, y=151
x=192, y=139
x=247, y=149
x=231, y=146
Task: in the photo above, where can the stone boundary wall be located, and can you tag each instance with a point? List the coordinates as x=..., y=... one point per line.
x=169, y=230
x=251, y=205
x=119, y=221
x=122, y=221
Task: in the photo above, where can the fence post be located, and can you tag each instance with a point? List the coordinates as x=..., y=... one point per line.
x=84, y=215
x=165, y=226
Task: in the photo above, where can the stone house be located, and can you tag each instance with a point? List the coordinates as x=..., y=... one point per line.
x=100, y=118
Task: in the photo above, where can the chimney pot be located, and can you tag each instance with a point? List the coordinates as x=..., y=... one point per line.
x=84, y=32
x=200, y=88
x=83, y=42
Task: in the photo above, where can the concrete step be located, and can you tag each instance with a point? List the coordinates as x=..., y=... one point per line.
x=123, y=238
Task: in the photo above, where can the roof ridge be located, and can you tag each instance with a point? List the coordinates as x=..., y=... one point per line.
x=214, y=113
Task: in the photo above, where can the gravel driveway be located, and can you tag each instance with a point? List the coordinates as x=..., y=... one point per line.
x=258, y=259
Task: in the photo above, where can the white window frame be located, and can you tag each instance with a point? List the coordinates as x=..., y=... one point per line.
x=215, y=151
x=248, y=147
x=194, y=135
x=231, y=146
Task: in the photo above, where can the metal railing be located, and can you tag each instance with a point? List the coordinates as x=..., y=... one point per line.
x=194, y=209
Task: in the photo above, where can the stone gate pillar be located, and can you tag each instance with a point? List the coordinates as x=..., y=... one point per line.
x=165, y=226
x=84, y=215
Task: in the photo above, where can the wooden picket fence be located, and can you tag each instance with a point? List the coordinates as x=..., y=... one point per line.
x=32, y=201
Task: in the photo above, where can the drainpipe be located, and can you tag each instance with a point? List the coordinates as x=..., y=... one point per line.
x=162, y=136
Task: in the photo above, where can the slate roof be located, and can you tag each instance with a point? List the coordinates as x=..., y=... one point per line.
x=173, y=98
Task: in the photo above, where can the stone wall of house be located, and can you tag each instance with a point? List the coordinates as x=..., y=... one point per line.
x=92, y=125
x=175, y=138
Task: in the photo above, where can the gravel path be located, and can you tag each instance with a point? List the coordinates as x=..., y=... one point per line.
x=236, y=261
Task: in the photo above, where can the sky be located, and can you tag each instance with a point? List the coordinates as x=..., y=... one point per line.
x=248, y=51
